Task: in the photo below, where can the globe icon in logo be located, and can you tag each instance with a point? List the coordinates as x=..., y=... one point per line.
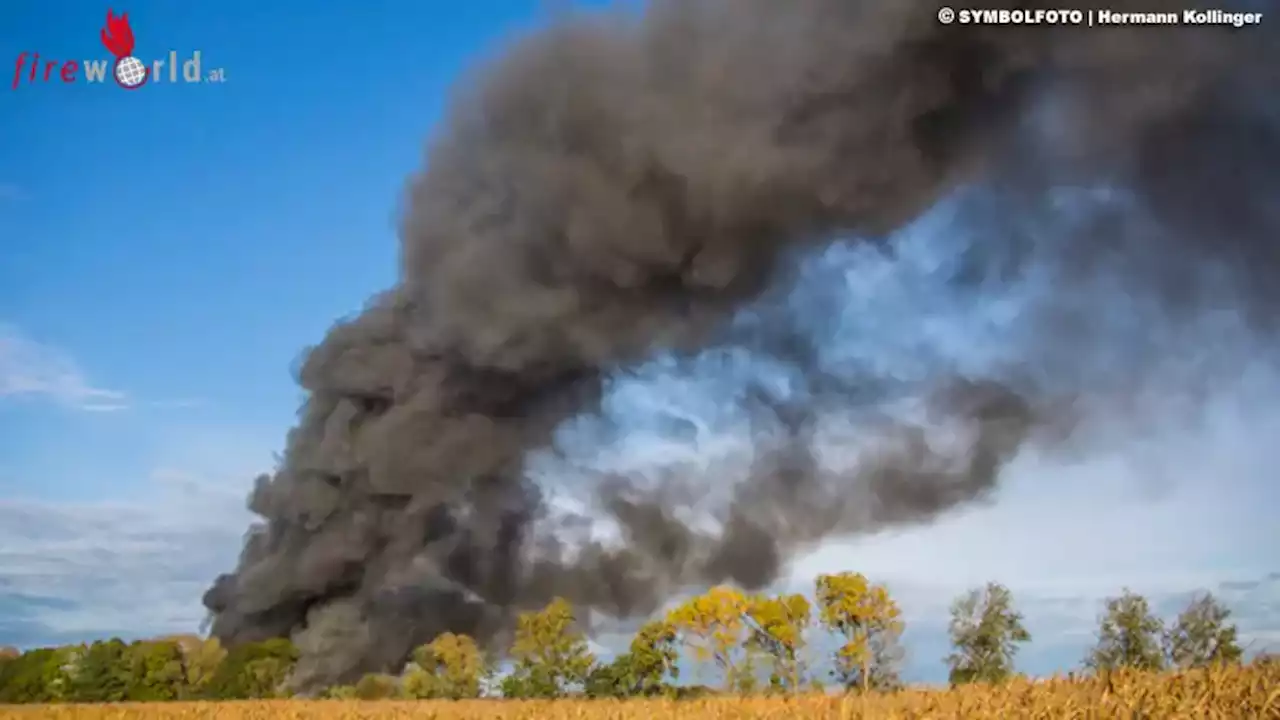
x=130, y=72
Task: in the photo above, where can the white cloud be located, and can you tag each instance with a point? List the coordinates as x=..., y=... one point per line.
x=75, y=572
x=28, y=368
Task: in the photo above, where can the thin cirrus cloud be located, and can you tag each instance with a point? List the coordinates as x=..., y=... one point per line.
x=29, y=369
x=34, y=370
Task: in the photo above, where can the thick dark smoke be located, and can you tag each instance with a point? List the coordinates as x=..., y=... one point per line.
x=618, y=186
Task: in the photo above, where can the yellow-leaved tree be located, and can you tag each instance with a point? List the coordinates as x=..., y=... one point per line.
x=714, y=626
x=870, y=623
x=451, y=666
x=778, y=626
x=550, y=652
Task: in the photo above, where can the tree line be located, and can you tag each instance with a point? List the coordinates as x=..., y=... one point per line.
x=739, y=643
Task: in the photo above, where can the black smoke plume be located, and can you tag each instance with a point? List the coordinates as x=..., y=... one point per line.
x=619, y=185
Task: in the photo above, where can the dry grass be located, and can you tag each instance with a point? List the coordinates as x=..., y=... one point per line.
x=1229, y=694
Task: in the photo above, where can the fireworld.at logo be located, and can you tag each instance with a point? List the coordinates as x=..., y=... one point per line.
x=127, y=70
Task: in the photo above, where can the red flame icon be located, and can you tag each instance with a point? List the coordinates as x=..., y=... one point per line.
x=117, y=36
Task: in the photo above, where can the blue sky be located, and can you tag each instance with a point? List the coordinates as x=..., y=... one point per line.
x=190, y=240
x=166, y=254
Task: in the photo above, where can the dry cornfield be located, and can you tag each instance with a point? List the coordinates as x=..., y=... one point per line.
x=1230, y=694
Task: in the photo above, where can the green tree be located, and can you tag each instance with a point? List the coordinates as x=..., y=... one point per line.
x=985, y=633
x=155, y=671
x=69, y=658
x=870, y=623
x=1128, y=636
x=550, y=653
x=653, y=654
x=32, y=677
x=643, y=670
x=778, y=626
x=610, y=680
x=200, y=660
x=377, y=686
x=713, y=625
x=102, y=675
x=1201, y=636
x=8, y=654
x=252, y=671
x=451, y=666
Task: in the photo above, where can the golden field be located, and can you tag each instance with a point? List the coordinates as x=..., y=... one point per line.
x=1251, y=691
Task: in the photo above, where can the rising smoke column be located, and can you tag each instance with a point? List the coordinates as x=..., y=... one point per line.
x=619, y=185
